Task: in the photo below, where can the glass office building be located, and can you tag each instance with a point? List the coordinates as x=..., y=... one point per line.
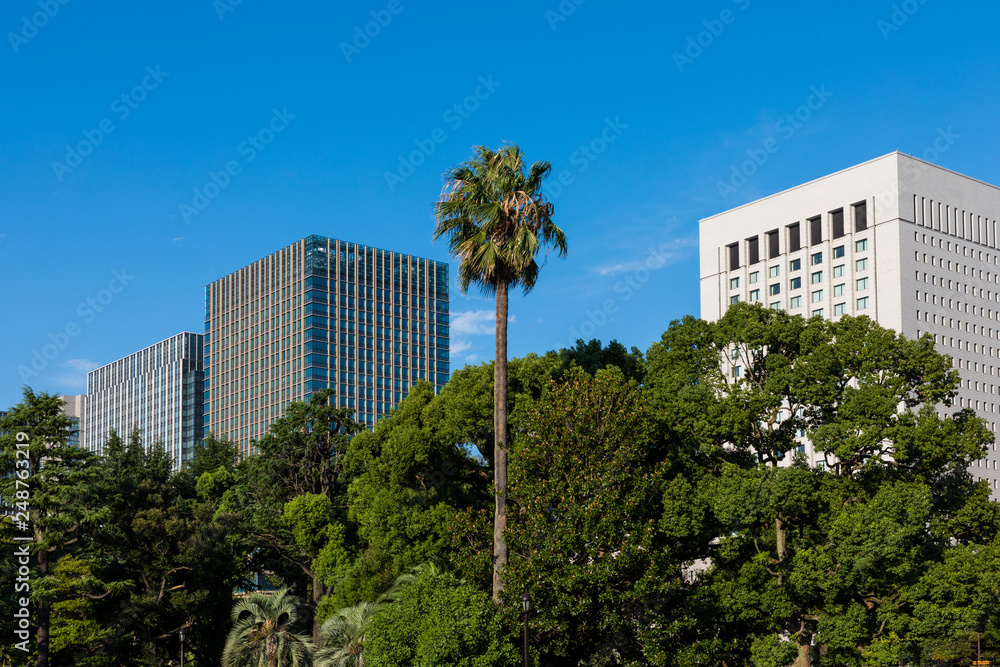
x=159, y=389
x=321, y=313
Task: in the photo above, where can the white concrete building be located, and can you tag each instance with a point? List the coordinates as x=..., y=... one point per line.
x=76, y=410
x=912, y=245
x=161, y=389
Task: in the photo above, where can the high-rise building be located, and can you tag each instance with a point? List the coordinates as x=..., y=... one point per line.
x=160, y=389
x=76, y=410
x=912, y=245
x=321, y=313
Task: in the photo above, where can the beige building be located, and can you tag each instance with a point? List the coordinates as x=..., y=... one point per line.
x=912, y=245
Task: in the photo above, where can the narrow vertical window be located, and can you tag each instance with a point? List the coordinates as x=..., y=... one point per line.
x=794, y=237
x=860, y=216
x=753, y=250
x=734, y=256
x=815, y=230
x=772, y=244
x=837, y=222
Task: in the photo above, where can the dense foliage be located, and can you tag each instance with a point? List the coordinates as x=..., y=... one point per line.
x=665, y=509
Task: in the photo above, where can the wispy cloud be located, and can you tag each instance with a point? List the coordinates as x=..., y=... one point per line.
x=474, y=323
x=77, y=377
x=654, y=257
x=81, y=365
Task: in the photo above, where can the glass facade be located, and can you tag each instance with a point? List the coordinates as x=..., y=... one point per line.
x=160, y=389
x=322, y=313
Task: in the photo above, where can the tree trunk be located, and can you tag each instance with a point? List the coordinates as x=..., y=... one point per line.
x=317, y=596
x=43, y=612
x=500, y=443
x=805, y=651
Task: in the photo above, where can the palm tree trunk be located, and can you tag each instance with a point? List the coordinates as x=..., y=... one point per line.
x=500, y=443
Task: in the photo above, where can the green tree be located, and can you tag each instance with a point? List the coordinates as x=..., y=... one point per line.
x=176, y=555
x=496, y=218
x=587, y=489
x=409, y=477
x=266, y=632
x=49, y=483
x=438, y=620
x=344, y=636
x=292, y=496
x=836, y=549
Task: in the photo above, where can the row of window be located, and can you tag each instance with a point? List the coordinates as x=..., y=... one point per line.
x=814, y=260
x=834, y=229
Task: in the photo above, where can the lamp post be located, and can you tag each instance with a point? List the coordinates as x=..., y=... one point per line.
x=526, y=606
x=182, y=646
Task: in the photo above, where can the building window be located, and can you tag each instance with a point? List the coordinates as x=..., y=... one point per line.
x=838, y=271
x=734, y=299
x=860, y=216
x=755, y=276
x=838, y=290
x=734, y=283
x=837, y=222
x=772, y=244
x=775, y=305
x=774, y=290
x=839, y=308
x=861, y=264
x=795, y=283
x=860, y=284
x=862, y=303
x=815, y=230
x=734, y=256
x=737, y=371
x=774, y=271
x=795, y=265
x=754, y=295
x=817, y=277
x=816, y=258
x=817, y=296
x=838, y=252
x=753, y=250
x=794, y=237
x=795, y=302
x=818, y=312
x=861, y=246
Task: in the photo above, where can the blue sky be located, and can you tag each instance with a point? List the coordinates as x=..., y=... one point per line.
x=149, y=148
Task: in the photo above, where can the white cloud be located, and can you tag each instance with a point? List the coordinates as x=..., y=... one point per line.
x=81, y=365
x=473, y=322
x=655, y=257
x=458, y=346
x=472, y=358
x=178, y=238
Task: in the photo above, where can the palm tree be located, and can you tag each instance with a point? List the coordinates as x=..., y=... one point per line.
x=496, y=219
x=265, y=633
x=344, y=636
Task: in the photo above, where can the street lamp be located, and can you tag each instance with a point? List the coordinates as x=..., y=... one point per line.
x=182, y=646
x=526, y=606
